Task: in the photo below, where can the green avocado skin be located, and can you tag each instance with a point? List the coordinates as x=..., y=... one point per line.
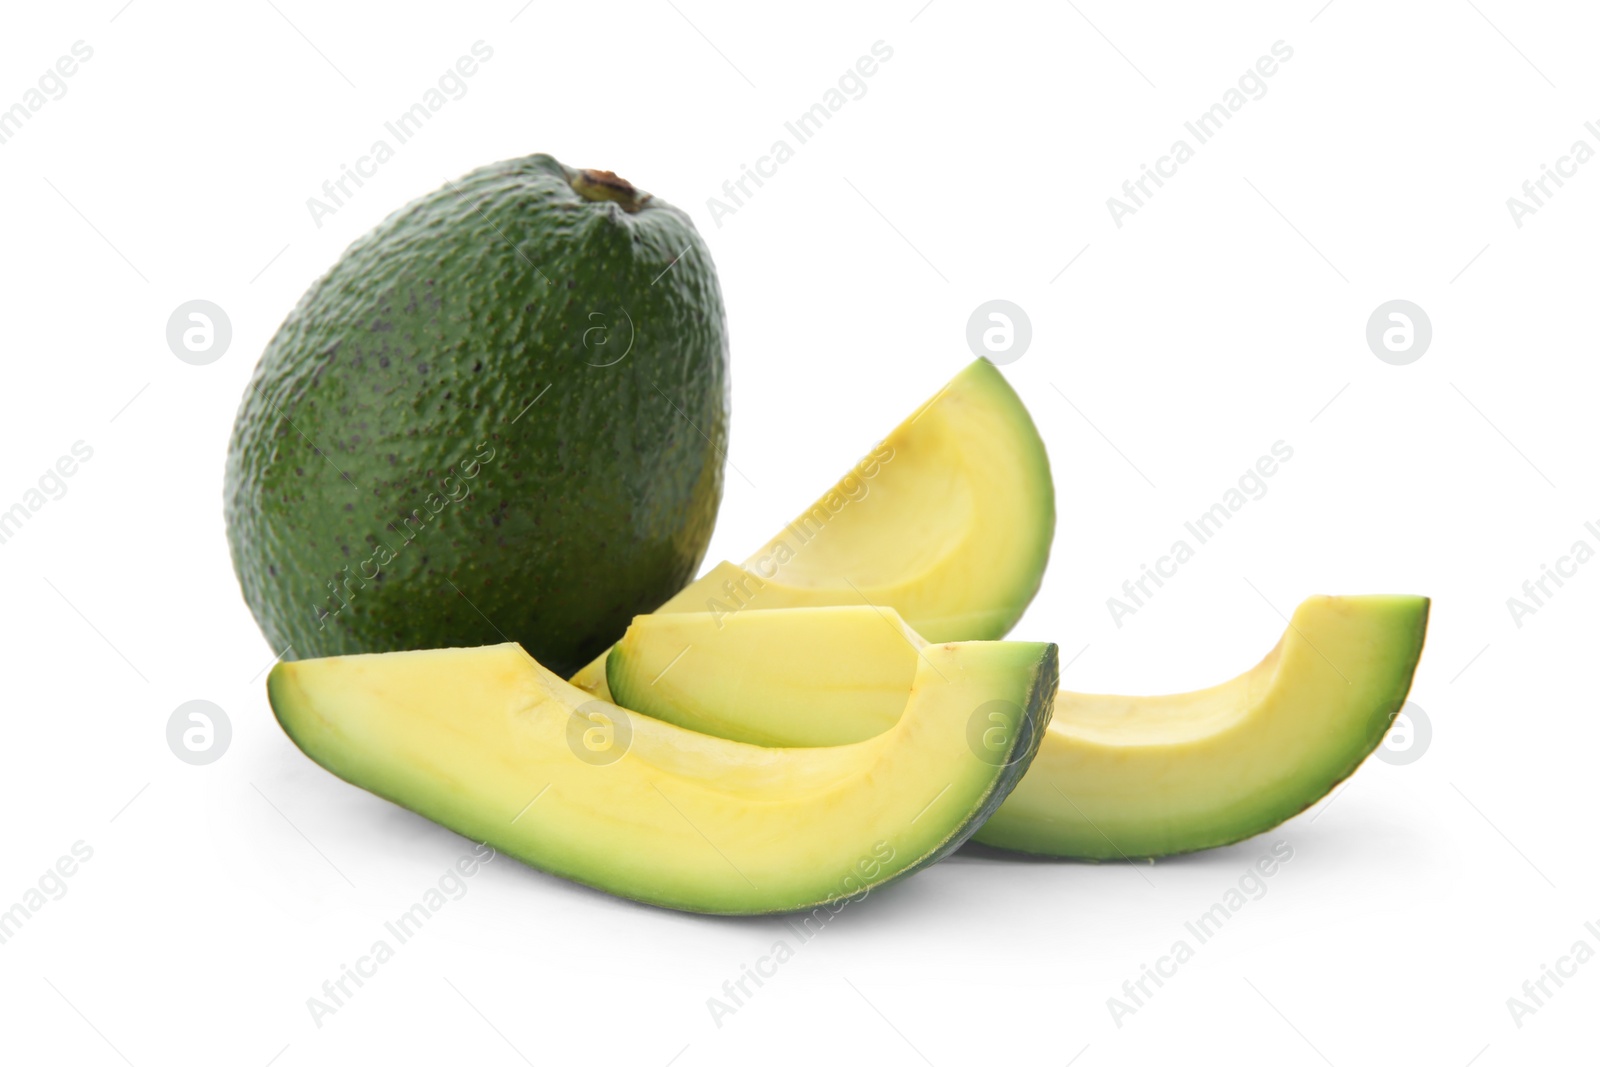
x=501, y=415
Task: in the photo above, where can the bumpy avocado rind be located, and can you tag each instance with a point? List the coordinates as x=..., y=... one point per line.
x=501, y=415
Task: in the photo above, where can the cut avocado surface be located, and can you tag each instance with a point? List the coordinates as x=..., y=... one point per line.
x=1116, y=776
x=1151, y=776
x=819, y=676
x=948, y=521
x=490, y=744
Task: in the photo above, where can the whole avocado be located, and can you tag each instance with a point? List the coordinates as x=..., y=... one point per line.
x=501, y=415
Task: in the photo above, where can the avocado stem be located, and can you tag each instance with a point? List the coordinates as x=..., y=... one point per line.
x=605, y=185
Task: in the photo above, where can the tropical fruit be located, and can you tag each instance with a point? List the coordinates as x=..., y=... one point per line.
x=501, y=415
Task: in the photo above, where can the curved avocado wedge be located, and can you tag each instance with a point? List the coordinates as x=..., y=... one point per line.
x=490, y=744
x=948, y=521
x=1116, y=777
x=806, y=677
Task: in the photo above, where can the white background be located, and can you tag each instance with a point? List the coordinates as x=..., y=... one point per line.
x=1227, y=314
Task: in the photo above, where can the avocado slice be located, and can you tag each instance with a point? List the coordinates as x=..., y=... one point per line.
x=819, y=676
x=501, y=415
x=1116, y=776
x=948, y=521
x=490, y=744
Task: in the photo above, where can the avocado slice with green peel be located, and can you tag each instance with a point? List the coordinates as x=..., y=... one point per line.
x=501, y=415
x=1116, y=776
x=490, y=744
x=948, y=521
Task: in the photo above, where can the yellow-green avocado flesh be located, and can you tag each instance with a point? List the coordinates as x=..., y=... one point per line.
x=490, y=744
x=948, y=521
x=1116, y=776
